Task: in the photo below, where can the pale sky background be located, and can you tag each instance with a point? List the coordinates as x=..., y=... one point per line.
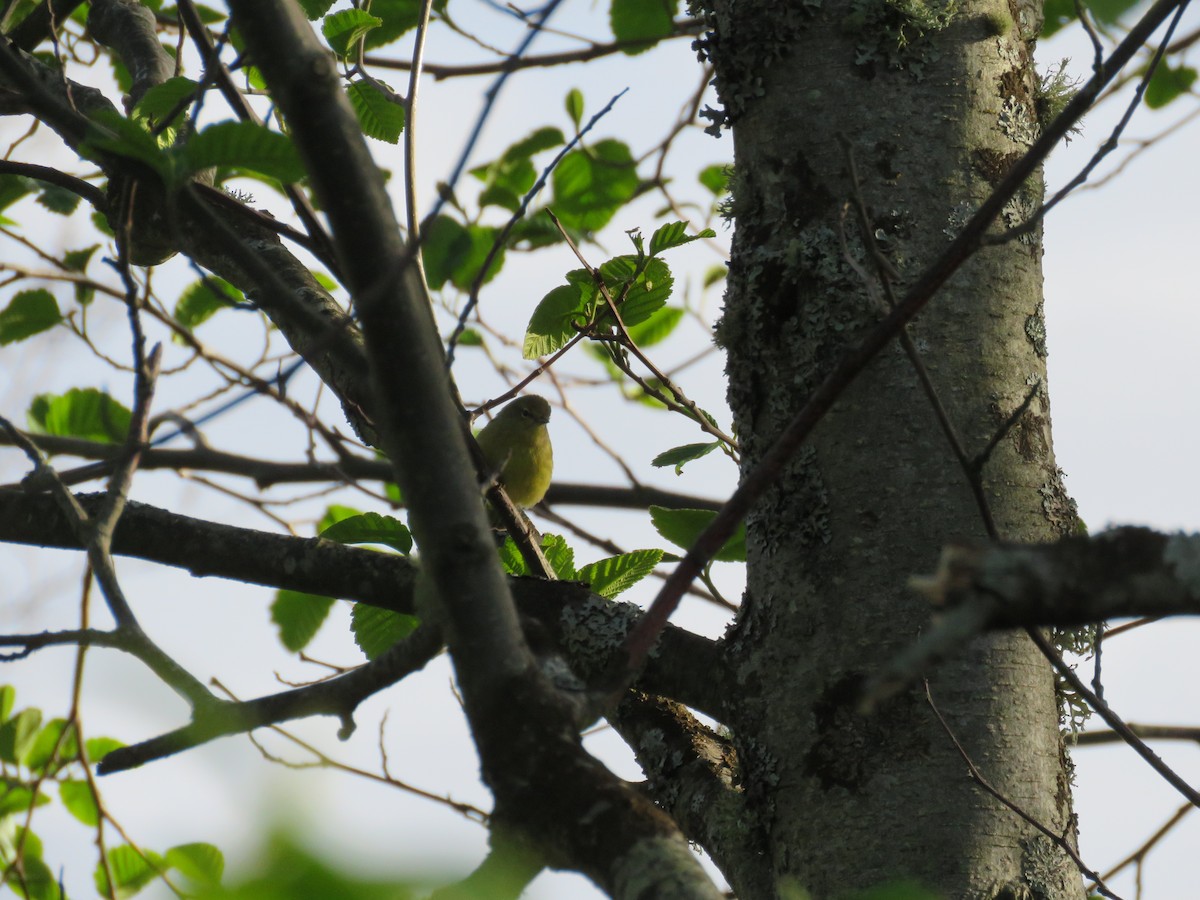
x=1123, y=320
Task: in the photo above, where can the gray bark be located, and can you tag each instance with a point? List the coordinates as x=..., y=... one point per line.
x=936, y=103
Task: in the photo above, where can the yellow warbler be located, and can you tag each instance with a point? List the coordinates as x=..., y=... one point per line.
x=516, y=445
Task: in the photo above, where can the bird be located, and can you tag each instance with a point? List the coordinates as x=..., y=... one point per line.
x=516, y=445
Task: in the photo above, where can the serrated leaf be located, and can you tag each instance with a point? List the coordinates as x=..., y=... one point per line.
x=574, y=106
x=380, y=117
x=591, y=185
x=681, y=456
x=683, y=526
x=657, y=328
x=376, y=630
x=201, y=863
x=642, y=20
x=343, y=29
x=29, y=313
x=511, y=559
x=674, y=234
x=131, y=871
x=560, y=556
x=456, y=253
x=77, y=797
x=299, y=617
x=649, y=293
x=371, y=528
x=17, y=735
x=551, y=325
x=203, y=299
x=8, y=696
x=609, y=577
x=244, y=145
x=80, y=412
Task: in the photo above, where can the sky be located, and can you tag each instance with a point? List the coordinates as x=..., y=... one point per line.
x=1122, y=320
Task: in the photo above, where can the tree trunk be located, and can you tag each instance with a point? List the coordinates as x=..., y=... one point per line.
x=934, y=103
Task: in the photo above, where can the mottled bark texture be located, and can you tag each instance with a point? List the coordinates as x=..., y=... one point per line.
x=936, y=101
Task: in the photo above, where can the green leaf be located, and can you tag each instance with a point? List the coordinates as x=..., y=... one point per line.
x=511, y=559
x=206, y=14
x=343, y=28
x=609, y=577
x=551, y=325
x=591, y=185
x=80, y=412
x=445, y=244
x=399, y=17
x=13, y=188
x=130, y=871
x=8, y=696
x=716, y=178
x=1167, y=83
x=99, y=747
x=714, y=274
x=55, y=741
x=39, y=882
x=201, y=863
x=58, y=199
x=1057, y=13
x=128, y=138
x=642, y=20
x=470, y=338
x=77, y=260
x=674, y=234
x=574, y=106
x=244, y=145
x=202, y=299
x=29, y=313
x=17, y=798
x=380, y=116
x=681, y=456
x=560, y=556
x=371, y=528
x=18, y=734
x=77, y=797
x=172, y=96
x=683, y=526
x=335, y=513
x=1108, y=11
x=314, y=9
x=299, y=617
x=482, y=239
x=658, y=327
x=376, y=630
x=649, y=291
